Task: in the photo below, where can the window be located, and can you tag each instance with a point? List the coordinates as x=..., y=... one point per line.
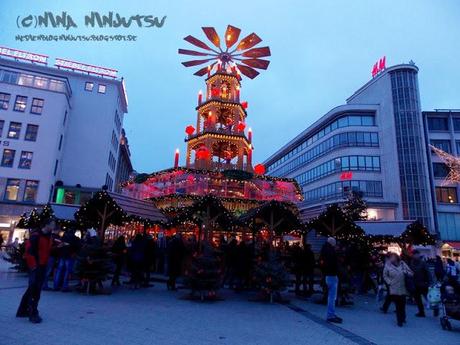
x=438, y=123
x=60, y=143
x=108, y=181
x=112, y=161
x=15, y=130
x=31, y=132
x=456, y=121
x=8, y=158
x=446, y=195
x=26, y=79
x=20, y=104
x=30, y=193
x=65, y=118
x=41, y=82
x=101, y=88
x=10, y=77
x=89, y=86
x=117, y=121
x=37, y=106
x=114, y=141
x=12, y=189
x=442, y=145
x=440, y=170
x=4, y=100
x=2, y=123
x=25, y=162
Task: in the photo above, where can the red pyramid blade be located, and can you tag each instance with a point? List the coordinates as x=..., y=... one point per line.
x=192, y=52
x=204, y=70
x=195, y=62
x=231, y=35
x=257, y=52
x=248, y=71
x=197, y=42
x=212, y=35
x=256, y=63
x=249, y=42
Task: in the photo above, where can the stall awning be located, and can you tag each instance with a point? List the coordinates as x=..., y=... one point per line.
x=394, y=228
x=144, y=209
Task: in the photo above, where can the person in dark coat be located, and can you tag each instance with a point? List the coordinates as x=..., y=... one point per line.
x=298, y=262
x=150, y=257
x=309, y=258
x=231, y=262
x=119, y=253
x=37, y=253
x=68, y=249
x=330, y=268
x=136, y=258
x=439, y=271
x=176, y=253
x=421, y=281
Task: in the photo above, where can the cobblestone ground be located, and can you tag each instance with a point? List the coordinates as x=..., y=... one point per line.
x=156, y=316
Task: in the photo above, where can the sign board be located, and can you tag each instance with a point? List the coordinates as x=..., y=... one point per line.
x=347, y=175
x=82, y=67
x=379, y=66
x=23, y=55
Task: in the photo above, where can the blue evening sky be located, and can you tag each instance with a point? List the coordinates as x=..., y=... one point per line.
x=322, y=51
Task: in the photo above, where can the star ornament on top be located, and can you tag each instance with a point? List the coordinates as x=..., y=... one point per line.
x=452, y=163
x=242, y=57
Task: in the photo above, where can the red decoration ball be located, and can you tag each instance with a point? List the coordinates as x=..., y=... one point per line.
x=259, y=169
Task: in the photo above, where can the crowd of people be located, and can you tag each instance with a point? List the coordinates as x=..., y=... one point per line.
x=341, y=270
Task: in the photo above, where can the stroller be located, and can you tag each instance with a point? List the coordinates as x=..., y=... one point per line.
x=450, y=297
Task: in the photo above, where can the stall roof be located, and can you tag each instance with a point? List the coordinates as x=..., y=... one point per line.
x=395, y=227
x=145, y=209
x=64, y=211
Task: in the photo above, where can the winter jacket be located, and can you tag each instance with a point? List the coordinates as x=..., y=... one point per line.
x=394, y=276
x=421, y=273
x=37, y=250
x=328, y=260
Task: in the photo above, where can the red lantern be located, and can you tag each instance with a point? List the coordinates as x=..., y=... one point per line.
x=203, y=153
x=244, y=105
x=241, y=126
x=259, y=169
x=190, y=130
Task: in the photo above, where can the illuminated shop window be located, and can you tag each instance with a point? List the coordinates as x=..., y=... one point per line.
x=30, y=193
x=12, y=190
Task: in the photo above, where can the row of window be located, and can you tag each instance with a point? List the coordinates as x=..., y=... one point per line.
x=439, y=123
x=14, y=131
x=445, y=145
x=446, y=195
x=117, y=121
x=32, y=80
x=355, y=139
x=342, y=189
x=25, y=160
x=101, y=88
x=346, y=163
x=13, y=187
x=20, y=103
x=108, y=181
x=112, y=161
x=341, y=122
x=114, y=141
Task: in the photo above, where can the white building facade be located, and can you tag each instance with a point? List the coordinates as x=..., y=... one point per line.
x=374, y=144
x=59, y=129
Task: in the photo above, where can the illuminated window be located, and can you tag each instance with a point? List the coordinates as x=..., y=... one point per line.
x=26, y=79
x=20, y=104
x=37, y=106
x=446, y=195
x=31, y=133
x=12, y=189
x=89, y=86
x=2, y=123
x=41, y=82
x=101, y=88
x=8, y=158
x=25, y=161
x=15, y=130
x=4, y=100
x=30, y=193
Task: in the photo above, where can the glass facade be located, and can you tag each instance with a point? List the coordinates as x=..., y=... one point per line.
x=347, y=120
x=346, y=139
x=410, y=145
x=342, y=189
x=346, y=163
